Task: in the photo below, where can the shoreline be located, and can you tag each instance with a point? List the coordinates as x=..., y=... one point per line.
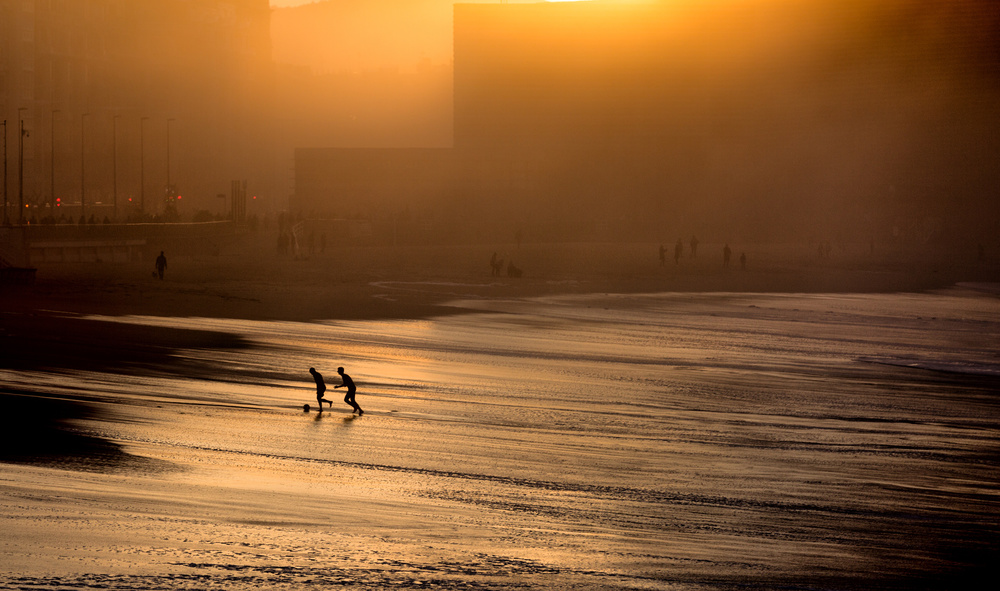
x=366, y=283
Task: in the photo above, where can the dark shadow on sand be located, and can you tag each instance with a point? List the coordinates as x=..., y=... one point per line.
x=60, y=342
x=38, y=430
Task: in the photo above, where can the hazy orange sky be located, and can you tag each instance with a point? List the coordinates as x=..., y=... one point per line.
x=283, y=3
x=367, y=35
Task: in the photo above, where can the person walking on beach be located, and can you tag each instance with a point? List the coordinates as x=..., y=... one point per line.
x=320, y=388
x=161, y=265
x=351, y=389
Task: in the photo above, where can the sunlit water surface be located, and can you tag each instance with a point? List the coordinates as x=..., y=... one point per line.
x=672, y=441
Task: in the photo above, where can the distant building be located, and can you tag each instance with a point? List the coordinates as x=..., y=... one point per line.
x=549, y=123
x=766, y=120
x=107, y=76
x=574, y=119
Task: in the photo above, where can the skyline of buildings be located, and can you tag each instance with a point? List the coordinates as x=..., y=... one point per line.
x=148, y=100
x=772, y=118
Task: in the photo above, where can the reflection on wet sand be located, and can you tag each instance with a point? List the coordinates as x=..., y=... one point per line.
x=681, y=441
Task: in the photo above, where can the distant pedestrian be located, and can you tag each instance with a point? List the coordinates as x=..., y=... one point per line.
x=727, y=253
x=694, y=246
x=161, y=265
x=678, y=251
x=351, y=389
x=320, y=388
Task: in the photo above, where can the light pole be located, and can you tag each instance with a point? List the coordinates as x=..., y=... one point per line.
x=142, y=164
x=169, y=187
x=52, y=163
x=83, y=152
x=20, y=165
x=5, y=172
x=114, y=166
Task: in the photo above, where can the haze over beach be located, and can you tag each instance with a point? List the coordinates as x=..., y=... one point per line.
x=687, y=295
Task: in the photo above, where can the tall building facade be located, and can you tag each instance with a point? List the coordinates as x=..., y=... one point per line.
x=131, y=105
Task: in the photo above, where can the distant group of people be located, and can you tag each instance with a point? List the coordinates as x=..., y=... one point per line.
x=496, y=267
x=289, y=243
x=727, y=253
x=346, y=382
x=679, y=250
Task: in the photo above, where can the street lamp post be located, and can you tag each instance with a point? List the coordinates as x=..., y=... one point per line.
x=83, y=152
x=114, y=166
x=142, y=164
x=20, y=165
x=5, y=172
x=52, y=163
x=169, y=187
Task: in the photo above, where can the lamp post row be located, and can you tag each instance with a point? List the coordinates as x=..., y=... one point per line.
x=52, y=159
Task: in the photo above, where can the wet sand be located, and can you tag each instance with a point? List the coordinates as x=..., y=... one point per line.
x=145, y=506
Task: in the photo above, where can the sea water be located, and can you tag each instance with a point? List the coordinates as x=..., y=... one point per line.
x=665, y=441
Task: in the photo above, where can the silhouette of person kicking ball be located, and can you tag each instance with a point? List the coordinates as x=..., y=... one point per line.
x=351, y=389
x=320, y=388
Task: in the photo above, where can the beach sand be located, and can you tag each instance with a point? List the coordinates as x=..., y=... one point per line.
x=123, y=510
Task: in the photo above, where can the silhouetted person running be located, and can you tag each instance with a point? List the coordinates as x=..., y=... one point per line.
x=351, y=389
x=161, y=265
x=320, y=388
